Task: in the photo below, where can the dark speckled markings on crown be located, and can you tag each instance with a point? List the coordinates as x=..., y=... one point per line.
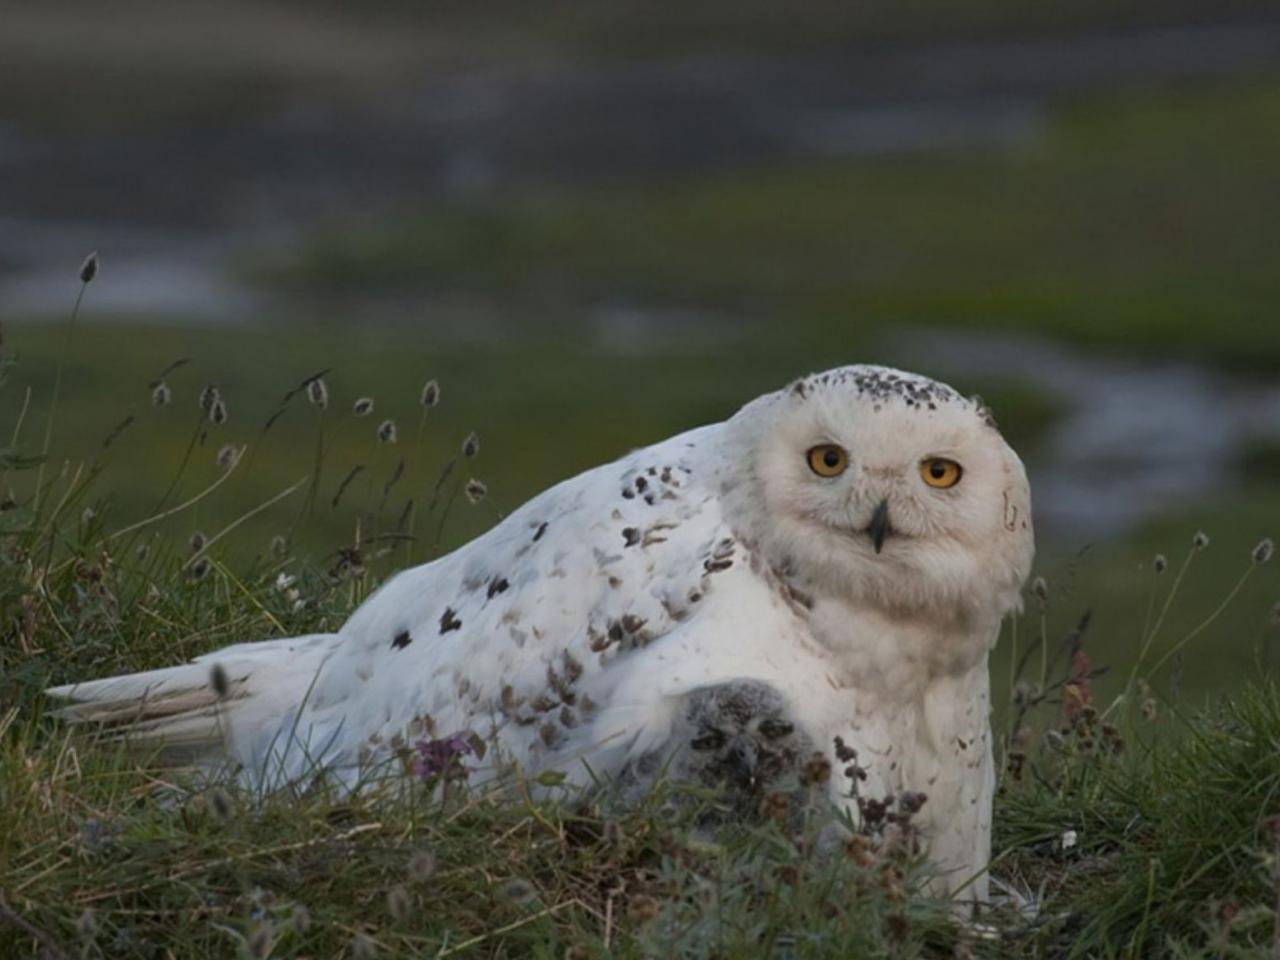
x=880, y=385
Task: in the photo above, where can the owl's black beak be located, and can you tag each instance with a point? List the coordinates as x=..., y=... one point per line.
x=879, y=526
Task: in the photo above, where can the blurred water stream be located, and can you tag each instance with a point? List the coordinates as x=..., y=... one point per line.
x=1137, y=439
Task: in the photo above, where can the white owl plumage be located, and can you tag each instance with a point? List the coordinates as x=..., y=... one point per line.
x=799, y=548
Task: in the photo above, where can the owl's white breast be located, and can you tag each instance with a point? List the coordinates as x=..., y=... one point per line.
x=919, y=716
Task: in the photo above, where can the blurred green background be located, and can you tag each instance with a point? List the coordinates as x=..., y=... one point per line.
x=597, y=225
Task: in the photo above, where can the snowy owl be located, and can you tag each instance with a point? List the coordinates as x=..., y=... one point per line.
x=833, y=561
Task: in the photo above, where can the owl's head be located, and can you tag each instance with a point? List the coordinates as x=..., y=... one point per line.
x=885, y=487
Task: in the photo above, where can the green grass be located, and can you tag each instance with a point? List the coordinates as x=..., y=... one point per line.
x=1172, y=840
x=1116, y=585
x=486, y=873
x=1177, y=848
x=100, y=855
x=1138, y=223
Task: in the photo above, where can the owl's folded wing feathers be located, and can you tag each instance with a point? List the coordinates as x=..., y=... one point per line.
x=568, y=631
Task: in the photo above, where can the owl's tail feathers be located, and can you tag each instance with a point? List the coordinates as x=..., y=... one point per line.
x=240, y=706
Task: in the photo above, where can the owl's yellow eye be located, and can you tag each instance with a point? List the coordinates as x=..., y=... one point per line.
x=940, y=473
x=828, y=460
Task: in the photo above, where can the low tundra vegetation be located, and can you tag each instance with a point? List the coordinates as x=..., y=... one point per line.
x=1138, y=825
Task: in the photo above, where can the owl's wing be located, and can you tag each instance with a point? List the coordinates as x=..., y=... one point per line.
x=567, y=633
x=562, y=632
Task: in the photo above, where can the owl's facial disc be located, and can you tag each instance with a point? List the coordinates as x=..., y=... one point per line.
x=882, y=487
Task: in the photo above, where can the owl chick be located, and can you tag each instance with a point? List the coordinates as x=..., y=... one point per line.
x=738, y=740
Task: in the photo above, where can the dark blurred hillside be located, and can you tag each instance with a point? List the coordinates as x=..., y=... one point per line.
x=74, y=62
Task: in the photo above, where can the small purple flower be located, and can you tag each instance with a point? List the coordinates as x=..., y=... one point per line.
x=444, y=756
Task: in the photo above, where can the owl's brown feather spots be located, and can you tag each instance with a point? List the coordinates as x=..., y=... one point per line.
x=449, y=621
x=597, y=641
x=572, y=667
x=554, y=681
x=401, y=640
x=721, y=557
x=651, y=535
x=508, y=699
